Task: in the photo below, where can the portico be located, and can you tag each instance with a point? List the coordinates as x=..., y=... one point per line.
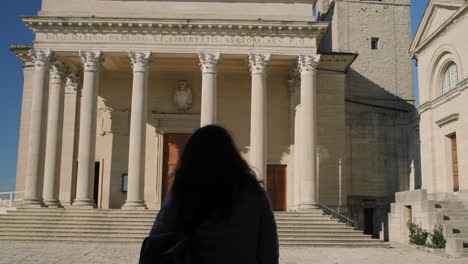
x=234, y=73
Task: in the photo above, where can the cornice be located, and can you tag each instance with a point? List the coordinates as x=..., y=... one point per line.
x=461, y=86
x=448, y=119
x=43, y=24
x=22, y=52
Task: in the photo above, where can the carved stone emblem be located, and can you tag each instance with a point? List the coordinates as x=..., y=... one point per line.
x=183, y=96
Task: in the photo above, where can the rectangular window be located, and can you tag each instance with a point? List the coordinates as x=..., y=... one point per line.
x=374, y=43
x=453, y=143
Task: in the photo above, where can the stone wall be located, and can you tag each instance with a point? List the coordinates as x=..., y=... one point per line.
x=380, y=119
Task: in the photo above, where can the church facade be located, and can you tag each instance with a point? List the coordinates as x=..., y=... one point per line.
x=318, y=100
x=439, y=194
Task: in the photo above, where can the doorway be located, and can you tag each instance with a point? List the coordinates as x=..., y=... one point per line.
x=453, y=143
x=276, y=186
x=369, y=221
x=97, y=173
x=173, y=145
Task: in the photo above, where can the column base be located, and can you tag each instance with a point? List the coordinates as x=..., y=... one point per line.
x=53, y=204
x=33, y=203
x=134, y=205
x=85, y=204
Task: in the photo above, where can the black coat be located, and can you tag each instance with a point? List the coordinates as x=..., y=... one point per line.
x=249, y=237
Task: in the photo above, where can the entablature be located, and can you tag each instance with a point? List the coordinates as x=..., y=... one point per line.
x=176, y=35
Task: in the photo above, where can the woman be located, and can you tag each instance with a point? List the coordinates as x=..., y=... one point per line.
x=217, y=198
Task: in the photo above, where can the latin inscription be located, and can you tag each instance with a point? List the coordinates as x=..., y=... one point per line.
x=174, y=39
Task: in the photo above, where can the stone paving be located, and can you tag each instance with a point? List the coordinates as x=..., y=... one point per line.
x=75, y=253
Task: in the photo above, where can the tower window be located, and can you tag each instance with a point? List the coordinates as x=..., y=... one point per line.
x=374, y=43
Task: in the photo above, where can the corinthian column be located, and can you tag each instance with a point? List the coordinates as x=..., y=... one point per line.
x=209, y=65
x=306, y=151
x=87, y=135
x=69, y=140
x=33, y=181
x=54, y=135
x=136, y=156
x=258, y=65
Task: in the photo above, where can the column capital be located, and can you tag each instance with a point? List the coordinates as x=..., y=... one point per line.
x=42, y=59
x=140, y=60
x=258, y=62
x=58, y=71
x=209, y=61
x=308, y=63
x=91, y=60
x=71, y=84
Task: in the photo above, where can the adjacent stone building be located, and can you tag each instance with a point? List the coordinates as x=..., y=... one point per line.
x=317, y=94
x=439, y=195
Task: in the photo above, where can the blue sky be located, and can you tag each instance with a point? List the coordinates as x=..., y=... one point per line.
x=13, y=31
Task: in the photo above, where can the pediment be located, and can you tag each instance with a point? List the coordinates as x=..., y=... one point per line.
x=440, y=14
x=437, y=13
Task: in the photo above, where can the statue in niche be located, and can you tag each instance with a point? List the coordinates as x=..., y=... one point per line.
x=183, y=96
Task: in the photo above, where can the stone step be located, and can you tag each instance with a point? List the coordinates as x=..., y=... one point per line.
x=90, y=239
x=84, y=211
x=319, y=230
x=83, y=229
x=457, y=224
x=141, y=235
x=325, y=236
x=141, y=217
x=326, y=239
x=144, y=221
x=307, y=222
x=74, y=222
x=311, y=228
x=314, y=227
x=69, y=216
x=139, y=241
x=460, y=218
x=145, y=230
x=336, y=244
x=450, y=205
x=302, y=217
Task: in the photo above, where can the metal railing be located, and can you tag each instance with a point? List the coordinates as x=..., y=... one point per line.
x=9, y=200
x=336, y=215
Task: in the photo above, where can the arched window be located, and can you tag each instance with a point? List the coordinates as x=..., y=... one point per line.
x=450, y=77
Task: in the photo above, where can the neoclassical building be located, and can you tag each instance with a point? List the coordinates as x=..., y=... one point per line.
x=439, y=195
x=317, y=95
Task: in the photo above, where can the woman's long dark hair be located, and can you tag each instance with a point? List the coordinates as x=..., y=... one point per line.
x=209, y=178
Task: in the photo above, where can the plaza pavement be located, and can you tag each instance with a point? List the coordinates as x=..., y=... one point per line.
x=76, y=253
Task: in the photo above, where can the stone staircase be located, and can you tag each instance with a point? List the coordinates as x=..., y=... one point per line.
x=295, y=229
x=455, y=221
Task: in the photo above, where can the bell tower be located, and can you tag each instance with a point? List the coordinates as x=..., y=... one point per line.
x=379, y=100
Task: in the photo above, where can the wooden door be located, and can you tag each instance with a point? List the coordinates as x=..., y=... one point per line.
x=456, y=184
x=276, y=186
x=173, y=145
